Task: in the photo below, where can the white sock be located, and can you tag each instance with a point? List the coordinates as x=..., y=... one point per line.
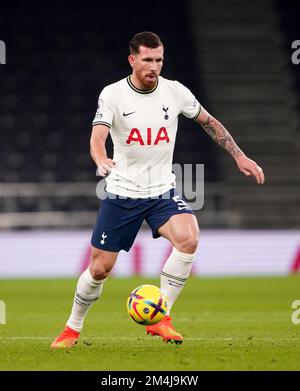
x=88, y=290
x=175, y=272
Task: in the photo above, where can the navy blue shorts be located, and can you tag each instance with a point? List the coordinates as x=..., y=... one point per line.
x=119, y=219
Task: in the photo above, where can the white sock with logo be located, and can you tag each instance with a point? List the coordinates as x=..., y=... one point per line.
x=175, y=272
x=88, y=290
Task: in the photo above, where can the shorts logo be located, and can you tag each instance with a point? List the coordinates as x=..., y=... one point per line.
x=103, y=238
x=180, y=203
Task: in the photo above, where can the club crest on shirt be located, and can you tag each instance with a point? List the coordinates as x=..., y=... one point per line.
x=165, y=109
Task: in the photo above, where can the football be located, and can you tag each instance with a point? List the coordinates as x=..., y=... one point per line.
x=147, y=305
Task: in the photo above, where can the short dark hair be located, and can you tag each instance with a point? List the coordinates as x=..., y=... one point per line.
x=145, y=38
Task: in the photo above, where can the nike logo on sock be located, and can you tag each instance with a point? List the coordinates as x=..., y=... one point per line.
x=125, y=114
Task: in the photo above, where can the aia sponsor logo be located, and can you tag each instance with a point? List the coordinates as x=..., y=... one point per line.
x=152, y=137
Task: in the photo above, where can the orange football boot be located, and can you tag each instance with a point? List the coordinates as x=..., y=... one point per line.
x=166, y=330
x=66, y=339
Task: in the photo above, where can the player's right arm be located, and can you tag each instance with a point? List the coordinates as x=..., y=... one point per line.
x=101, y=125
x=98, y=150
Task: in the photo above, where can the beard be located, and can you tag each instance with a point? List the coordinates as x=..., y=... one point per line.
x=149, y=81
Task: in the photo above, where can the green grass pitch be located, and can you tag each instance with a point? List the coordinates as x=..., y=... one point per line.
x=228, y=324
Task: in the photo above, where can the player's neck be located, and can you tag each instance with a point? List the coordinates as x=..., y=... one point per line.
x=139, y=86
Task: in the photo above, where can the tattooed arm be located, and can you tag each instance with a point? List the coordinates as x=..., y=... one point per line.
x=222, y=137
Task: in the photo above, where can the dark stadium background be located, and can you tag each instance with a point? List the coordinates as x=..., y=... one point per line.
x=236, y=57
x=61, y=54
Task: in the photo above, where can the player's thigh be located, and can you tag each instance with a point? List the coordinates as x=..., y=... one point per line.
x=118, y=222
x=182, y=231
x=102, y=261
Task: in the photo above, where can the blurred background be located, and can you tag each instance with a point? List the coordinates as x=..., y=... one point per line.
x=235, y=56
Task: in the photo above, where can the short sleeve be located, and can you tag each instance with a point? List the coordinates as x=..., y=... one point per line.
x=104, y=114
x=189, y=105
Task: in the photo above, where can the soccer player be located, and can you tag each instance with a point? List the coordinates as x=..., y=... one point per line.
x=141, y=113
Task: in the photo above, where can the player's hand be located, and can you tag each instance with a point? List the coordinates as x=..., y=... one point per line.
x=105, y=166
x=250, y=168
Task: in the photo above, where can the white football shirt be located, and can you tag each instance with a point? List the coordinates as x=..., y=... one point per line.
x=143, y=127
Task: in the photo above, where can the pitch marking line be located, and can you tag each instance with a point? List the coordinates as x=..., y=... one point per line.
x=251, y=338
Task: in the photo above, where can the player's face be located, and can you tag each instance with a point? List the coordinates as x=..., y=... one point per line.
x=146, y=66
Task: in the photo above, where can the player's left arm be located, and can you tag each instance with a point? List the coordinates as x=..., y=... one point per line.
x=222, y=137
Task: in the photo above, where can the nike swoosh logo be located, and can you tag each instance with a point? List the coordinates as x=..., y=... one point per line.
x=125, y=114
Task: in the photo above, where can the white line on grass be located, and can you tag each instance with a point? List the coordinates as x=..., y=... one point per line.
x=252, y=338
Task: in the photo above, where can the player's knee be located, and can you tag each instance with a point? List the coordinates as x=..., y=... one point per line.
x=99, y=269
x=188, y=244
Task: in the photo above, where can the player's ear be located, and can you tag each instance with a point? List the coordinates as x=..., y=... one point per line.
x=131, y=59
